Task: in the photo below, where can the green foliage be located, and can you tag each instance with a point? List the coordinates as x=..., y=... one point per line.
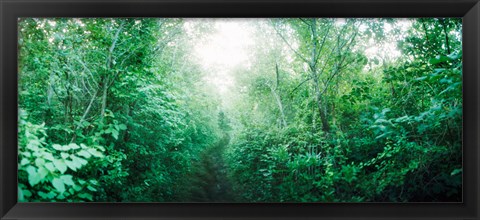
x=49, y=168
x=396, y=138
x=121, y=110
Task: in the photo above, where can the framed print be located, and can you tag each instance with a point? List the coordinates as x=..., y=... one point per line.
x=250, y=110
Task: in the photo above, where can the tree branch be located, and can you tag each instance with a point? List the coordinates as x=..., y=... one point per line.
x=298, y=86
x=289, y=45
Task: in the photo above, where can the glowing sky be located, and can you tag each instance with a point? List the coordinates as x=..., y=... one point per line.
x=227, y=47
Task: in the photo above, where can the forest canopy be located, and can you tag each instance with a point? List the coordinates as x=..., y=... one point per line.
x=239, y=110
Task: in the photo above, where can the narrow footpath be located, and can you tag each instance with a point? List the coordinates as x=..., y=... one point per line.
x=209, y=178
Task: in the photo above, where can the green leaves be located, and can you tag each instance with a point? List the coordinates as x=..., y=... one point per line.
x=455, y=172
x=60, y=165
x=72, y=165
x=79, y=161
x=50, y=167
x=52, y=170
x=86, y=196
x=59, y=185
x=84, y=153
x=115, y=134
x=438, y=59
x=349, y=173
x=33, y=176
x=24, y=162
x=75, y=162
x=442, y=58
x=394, y=114
x=67, y=179
x=71, y=146
x=95, y=152
x=58, y=147
x=122, y=127
x=114, y=129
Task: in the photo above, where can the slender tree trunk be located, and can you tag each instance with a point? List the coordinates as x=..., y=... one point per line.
x=50, y=92
x=278, y=100
x=50, y=88
x=313, y=68
x=447, y=43
x=106, y=81
x=280, y=106
x=277, y=96
x=321, y=109
x=104, y=99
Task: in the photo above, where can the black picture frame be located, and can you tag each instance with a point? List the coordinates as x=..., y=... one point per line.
x=11, y=10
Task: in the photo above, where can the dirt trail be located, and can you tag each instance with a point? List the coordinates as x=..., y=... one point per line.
x=209, y=179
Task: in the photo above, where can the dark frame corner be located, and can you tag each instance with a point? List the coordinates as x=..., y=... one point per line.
x=11, y=10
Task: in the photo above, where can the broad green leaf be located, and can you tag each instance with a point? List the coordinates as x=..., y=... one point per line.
x=77, y=188
x=95, y=152
x=421, y=78
x=64, y=155
x=43, y=195
x=101, y=148
x=31, y=170
x=20, y=194
x=67, y=179
x=86, y=196
x=58, y=184
x=42, y=172
x=115, y=134
x=24, y=161
x=454, y=56
x=60, y=165
x=50, y=167
x=456, y=171
x=72, y=165
x=27, y=154
x=78, y=160
x=73, y=146
x=91, y=188
x=33, y=145
x=51, y=195
x=33, y=176
x=27, y=193
x=402, y=119
x=438, y=59
x=57, y=147
x=48, y=156
x=85, y=123
x=122, y=127
x=84, y=153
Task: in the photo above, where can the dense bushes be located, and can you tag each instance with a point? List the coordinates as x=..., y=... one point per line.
x=122, y=110
x=391, y=139
x=105, y=120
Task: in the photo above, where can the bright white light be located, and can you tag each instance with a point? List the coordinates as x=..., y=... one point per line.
x=220, y=52
x=52, y=23
x=340, y=21
x=221, y=80
x=388, y=50
x=227, y=46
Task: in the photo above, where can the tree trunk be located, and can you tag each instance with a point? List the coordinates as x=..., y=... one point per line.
x=321, y=109
x=106, y=82
x=447, y=43
x=104, y=99
x=313, y=68
x=280, y=106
